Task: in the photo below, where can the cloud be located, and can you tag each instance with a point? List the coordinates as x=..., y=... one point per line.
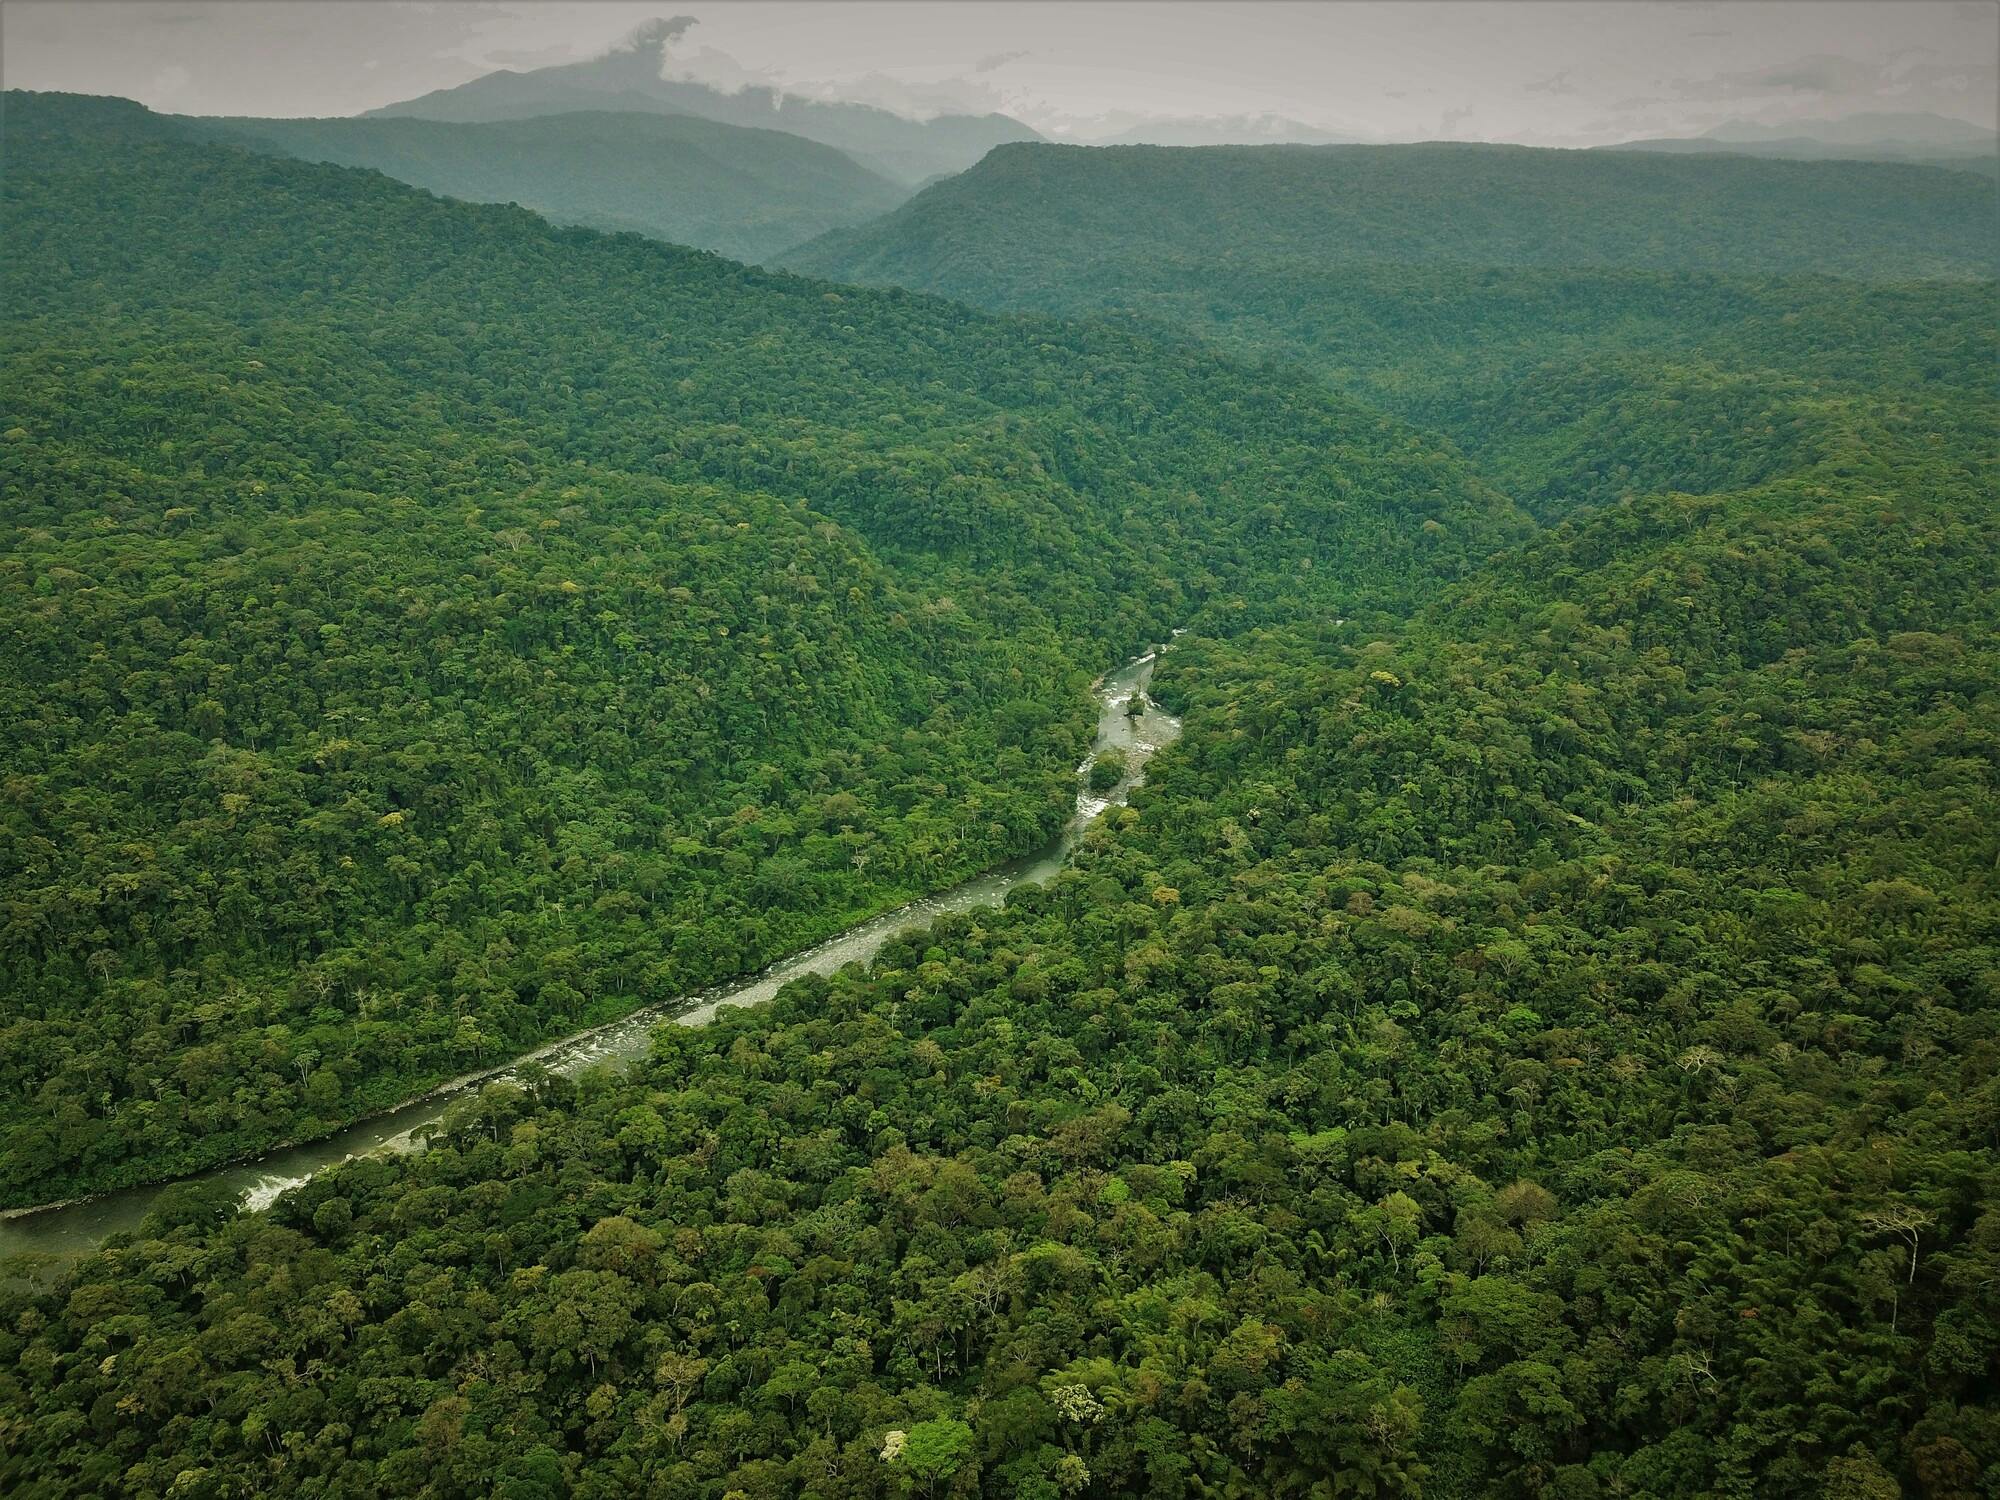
x=1556, y=84
x=1809, y=75
x=1453, y=118
x=920, y=99
x=1829, y=75
x=1828, y=84
x=655, y=35
x=998, y=60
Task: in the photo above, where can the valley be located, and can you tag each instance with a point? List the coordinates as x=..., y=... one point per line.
x=70, y=1229
x=1285, y=820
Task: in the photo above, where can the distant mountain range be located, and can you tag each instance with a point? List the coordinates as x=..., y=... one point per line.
x=1227, y=130
x=1584, y=324
x=1936, y=132
x=628, y=79
x=1925, y=139
x=743, y=193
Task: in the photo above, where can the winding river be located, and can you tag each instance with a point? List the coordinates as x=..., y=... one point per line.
x=72, y=1228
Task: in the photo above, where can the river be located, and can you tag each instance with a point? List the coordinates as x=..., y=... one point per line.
x=73, y=1228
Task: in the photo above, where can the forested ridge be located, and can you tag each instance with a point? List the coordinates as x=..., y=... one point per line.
x=1586, y=326
x=429, y=631
x=1579, y=387
x=741, y=192
x=1027, y=205
x=1537, y=1034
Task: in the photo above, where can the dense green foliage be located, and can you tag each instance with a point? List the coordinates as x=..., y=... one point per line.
x=1982, y=163
x=1588, y=326
x=997, y=230
x=1547, y=1049
x=1537, y=1034
x=740, y=192
x=427, y=630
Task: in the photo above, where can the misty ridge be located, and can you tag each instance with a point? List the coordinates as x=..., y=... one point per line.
x=966, y=752
x=636, y=76
x=728, y=162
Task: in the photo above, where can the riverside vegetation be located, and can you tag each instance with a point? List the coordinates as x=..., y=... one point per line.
x=1535, y=1035
x=394, y=684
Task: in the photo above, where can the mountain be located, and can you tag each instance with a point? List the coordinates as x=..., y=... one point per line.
x=1923, y=139
x=1930, y=131
x=629, y=80
x=1586, y=325
x=426, y=629
x=742, y=193
x=1537, y=1033
x=1001, y=224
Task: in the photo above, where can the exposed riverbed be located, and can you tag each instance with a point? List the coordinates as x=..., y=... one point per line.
x=71, y=1229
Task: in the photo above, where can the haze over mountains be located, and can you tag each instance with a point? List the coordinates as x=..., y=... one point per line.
x=629, y=78
x=1937, y=140
x=1869, y=128
x=628, y=140
x=1225, y=130
x=741, y=192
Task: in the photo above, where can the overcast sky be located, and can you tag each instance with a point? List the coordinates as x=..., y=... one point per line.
x=1575, y=73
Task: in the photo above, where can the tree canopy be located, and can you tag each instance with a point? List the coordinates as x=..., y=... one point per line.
x=1536, y=1034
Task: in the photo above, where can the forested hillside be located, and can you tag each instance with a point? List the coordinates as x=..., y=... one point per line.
x=428, y=630
x=1983, y=161
x=994, y=232
x=1587, y=325
x=743, y=193
x=1536, y=1035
